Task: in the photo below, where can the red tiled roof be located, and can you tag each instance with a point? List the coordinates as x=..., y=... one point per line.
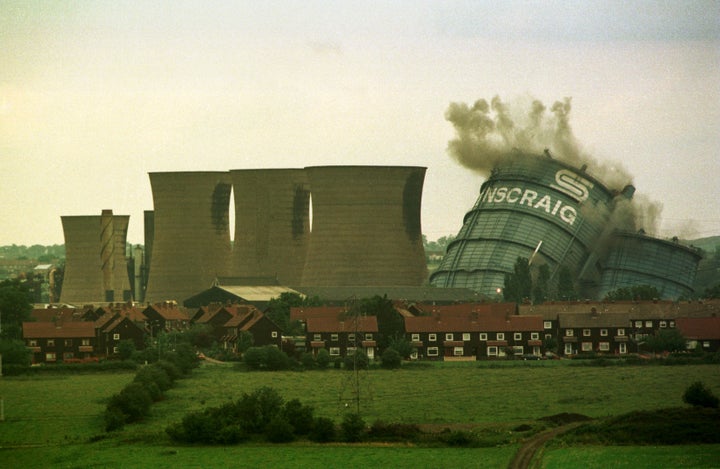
x=351, y=324
x=169, y=311
x=699, y=328
x=306, y=312
x=492, y=321
x=68, y=330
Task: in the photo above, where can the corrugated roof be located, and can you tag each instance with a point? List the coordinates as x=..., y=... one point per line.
x=257, y=292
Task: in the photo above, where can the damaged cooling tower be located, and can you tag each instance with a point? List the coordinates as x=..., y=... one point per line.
x=272, y=223
x=191, y=236
x=636, y=259
x=526, y=200
x=366, y=226
x=95, y=262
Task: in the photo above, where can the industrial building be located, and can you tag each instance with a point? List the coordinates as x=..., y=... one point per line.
x=551, y=213
x=95, y=261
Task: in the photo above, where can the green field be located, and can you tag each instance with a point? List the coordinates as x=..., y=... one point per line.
x=50, y=420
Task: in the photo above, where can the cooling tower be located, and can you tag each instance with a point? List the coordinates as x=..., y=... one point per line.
x=272, y=223
x=635, y=259
x=95, y=264
x=191, y=237
x=525, y=201
x=366, y=226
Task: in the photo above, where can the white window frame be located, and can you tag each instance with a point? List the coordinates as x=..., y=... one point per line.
x=672, y=323
x=334, y=337
x=517, y=336
x=621, y=332
x=413, y=355
x=432, y=337
x=432, y=352
x=587, y=332
x=85, y=342
x=350, y=351
x=317, y=337
x=603, y=332
x=534, y=336
x=32, y=343
x=458, y=351
x=415, y=337
x=466, y=337
x=604, y=346
x=638, y=324
x=483, y=336
x=622, y=347
x=51, y=342
x=492, y=351
x=586, y=346
x=368, y=336
x=351, y=337
x=500, y=336
x=569, y=332
x=648, y=324
x=663, y=324
x=518, y=350
x=116, y=336
x=449, y=336
x=568, y=349
x=547, y=324
x=334, y=351
x=50, y=356
x=273, y=334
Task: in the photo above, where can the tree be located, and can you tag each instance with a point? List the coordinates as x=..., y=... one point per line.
x=634, y=293
x=518, y=284
x=15, y=308
x=540, y=289
x=666, y=340
x=390, y=324
x=244, y=341
x=14, y=352
x=126, y=348
x=566, y=286
x=700, y=396
x=391, y=359
x=278, y=310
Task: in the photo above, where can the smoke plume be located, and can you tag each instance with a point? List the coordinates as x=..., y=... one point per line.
x=486, y=133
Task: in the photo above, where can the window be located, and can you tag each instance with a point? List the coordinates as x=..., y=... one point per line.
x=623, y=348
x=534, y=336
x=333, y=337
x=603, y=332
x=50, y=357
x=672, y=323
x=547, y=324
x=432, y=352
x=483, y=336
x=68, y=355
x=586, y=332
x=621, y=331
x=317, y=337
x=648, y=324
x=350, y=351
x=568, y=349
x=638, y=324
x=518, y=350
x=334, y=351
x=569, y=333
x=458, y=351
x=466, y=336
x=500, y=336
x=548, y=336
x=51, y=343
x=351, y=337
x=116, y=336
x=449, y=336
x=85, y=342
x=368, y=336
x=32, y=343
x=414, y=355
x=416, y=337
x=663, y=324
x=68, y=343
x=517, y=336
x=115, y=350
x=492, y=351
x=706, y=344
x=604, y=346
x=273, y=334
x=432, y=337
x=587, y=346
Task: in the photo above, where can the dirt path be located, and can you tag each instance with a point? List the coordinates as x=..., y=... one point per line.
x=527, y=451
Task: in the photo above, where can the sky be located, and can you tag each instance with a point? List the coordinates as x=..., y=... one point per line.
x=94, y=95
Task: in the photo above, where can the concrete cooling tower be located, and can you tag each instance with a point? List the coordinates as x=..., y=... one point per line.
x=95, y=262
x=366, y=226
x=191, y=236
x=636, y=259
x=528, y=204
x=272, y=223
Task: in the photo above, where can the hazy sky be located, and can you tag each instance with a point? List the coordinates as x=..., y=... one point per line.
x=96, y=94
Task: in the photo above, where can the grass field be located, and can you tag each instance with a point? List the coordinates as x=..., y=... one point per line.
x=61, y=414
x=633, y=457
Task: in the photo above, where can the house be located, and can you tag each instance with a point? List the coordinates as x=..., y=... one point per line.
x=114, y=328
x=167, y=316
x=594, y=332
x=215, y=316
x=60, y=341
x=702, y=333
x=452, y=335
x=342, y=336
x=249, y=319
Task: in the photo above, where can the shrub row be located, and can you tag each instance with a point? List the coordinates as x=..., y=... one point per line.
x=132, y=403
x=270, y=358
x=62, y=368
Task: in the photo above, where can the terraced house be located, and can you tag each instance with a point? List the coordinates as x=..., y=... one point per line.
x=51, y=342
x=594, y=332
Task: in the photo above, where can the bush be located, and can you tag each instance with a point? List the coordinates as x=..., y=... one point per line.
x=390, y=359
x=114, y=419
x=352, y=428
x=133, y=402
x=299, y=416
x=358, y=360
x=255, y=358
x=323, y=358
x=257, y=409
x=394, y=431
x=154, y=374
x=699, y=396
x=172, y=370
x=323, y=430
x=279, y=430
x=276, y=359
x=307, y=360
